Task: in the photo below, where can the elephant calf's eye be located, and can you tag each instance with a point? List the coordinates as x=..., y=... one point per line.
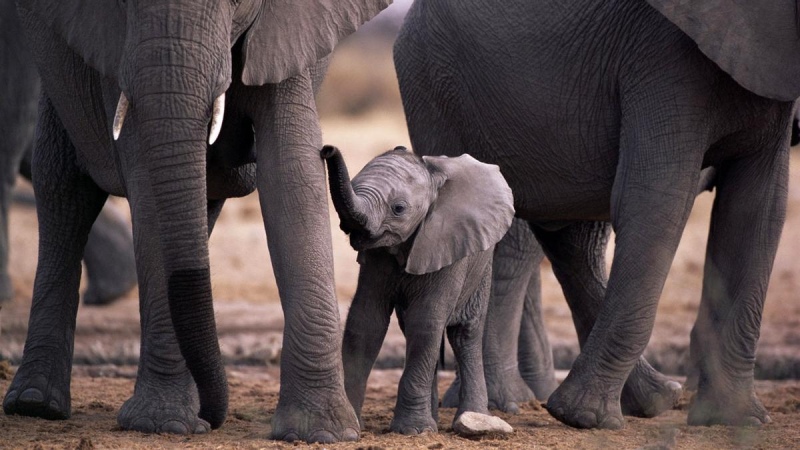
x=398, y=208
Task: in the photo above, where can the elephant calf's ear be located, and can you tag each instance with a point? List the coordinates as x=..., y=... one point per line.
x=472, y=212
x=289, y=36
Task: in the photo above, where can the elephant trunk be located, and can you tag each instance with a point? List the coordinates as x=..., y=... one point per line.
x=348, y=206
x=173, y=133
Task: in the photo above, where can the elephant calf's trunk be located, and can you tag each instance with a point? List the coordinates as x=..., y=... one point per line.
x=344, y=199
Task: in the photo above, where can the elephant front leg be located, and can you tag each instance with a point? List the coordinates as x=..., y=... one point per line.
x=292, y=190
x=365, y=329
x=749, y=209
x=68, y=203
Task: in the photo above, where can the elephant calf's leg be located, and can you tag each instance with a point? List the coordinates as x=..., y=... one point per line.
x=68, y=204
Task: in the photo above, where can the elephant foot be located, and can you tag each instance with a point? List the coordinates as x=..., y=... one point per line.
x=506, y=390
x=166, y=408
x=647, y=392
x=413, y=424
x=39, y=389
x=582, y=403
x=325, y=417
x=737, y=406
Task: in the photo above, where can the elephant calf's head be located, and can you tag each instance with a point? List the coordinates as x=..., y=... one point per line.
x=450, y=207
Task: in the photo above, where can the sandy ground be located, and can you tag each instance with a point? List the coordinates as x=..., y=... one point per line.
x=250, y=325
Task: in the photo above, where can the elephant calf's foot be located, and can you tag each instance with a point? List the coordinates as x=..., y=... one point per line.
x=541, y=384
x=580, y=403
x=647, y=392
x=39, y=390
x=167, y=409
x=329, y=419
x=738, y=407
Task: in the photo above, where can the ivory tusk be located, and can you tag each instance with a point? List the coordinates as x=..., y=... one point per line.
x=119, y=117
x=218, y=111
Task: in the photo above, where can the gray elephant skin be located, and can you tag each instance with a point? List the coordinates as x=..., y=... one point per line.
x=425, y=232
x=109, y=251
x=608, y=111
x=518, y=360
x=177, y=106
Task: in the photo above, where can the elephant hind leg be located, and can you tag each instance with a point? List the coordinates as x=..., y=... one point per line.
x=577, y=255
x=68, y=203
x=749, y=209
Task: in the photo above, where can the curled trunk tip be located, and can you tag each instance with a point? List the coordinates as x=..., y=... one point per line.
x=345, y=201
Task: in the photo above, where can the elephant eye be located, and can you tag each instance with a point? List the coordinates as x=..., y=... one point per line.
x=398, y=209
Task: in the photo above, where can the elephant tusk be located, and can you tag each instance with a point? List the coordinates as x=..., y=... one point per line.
x=218, y=111
x=119, y=117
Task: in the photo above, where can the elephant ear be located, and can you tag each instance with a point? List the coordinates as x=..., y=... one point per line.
x=94, y=29
x=290, y=35
x=472, y=212
x=757, y=42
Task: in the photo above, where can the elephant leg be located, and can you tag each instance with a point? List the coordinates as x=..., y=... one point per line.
x=68, y=203
x=365, y=329
x=577, y=255
x=650, y=203
x=165, y=397
x=465, y=338
x=749, y=209
x=110, y=265
x=313, y=405
x=515, y=267
x=534, y=352
x=413, y=413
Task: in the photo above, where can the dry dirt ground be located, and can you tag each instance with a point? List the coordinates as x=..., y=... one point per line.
x=250, y=326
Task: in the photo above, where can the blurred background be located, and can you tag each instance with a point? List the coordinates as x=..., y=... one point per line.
x=361, y=113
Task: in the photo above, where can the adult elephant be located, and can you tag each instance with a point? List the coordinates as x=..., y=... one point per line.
x=608, y=111
x=178, y=105
x=109, y=253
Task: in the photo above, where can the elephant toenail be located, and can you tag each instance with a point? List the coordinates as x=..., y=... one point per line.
x=512, y=408
x=612, y=423
x=202, y=427
x=174, y=427
x=290, y=437
x=585, y=419
x=322, y=437
x=144, y=425
x=350, y=435
x=31, y=396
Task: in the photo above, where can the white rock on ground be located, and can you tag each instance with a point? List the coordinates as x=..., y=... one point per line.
x=470, y=424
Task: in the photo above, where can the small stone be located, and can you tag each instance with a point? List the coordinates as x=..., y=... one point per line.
x=471, y=424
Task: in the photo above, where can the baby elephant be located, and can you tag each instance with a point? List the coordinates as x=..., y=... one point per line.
x=425, y=229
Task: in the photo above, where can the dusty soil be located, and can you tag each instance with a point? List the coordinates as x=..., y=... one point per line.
x=250, y=325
